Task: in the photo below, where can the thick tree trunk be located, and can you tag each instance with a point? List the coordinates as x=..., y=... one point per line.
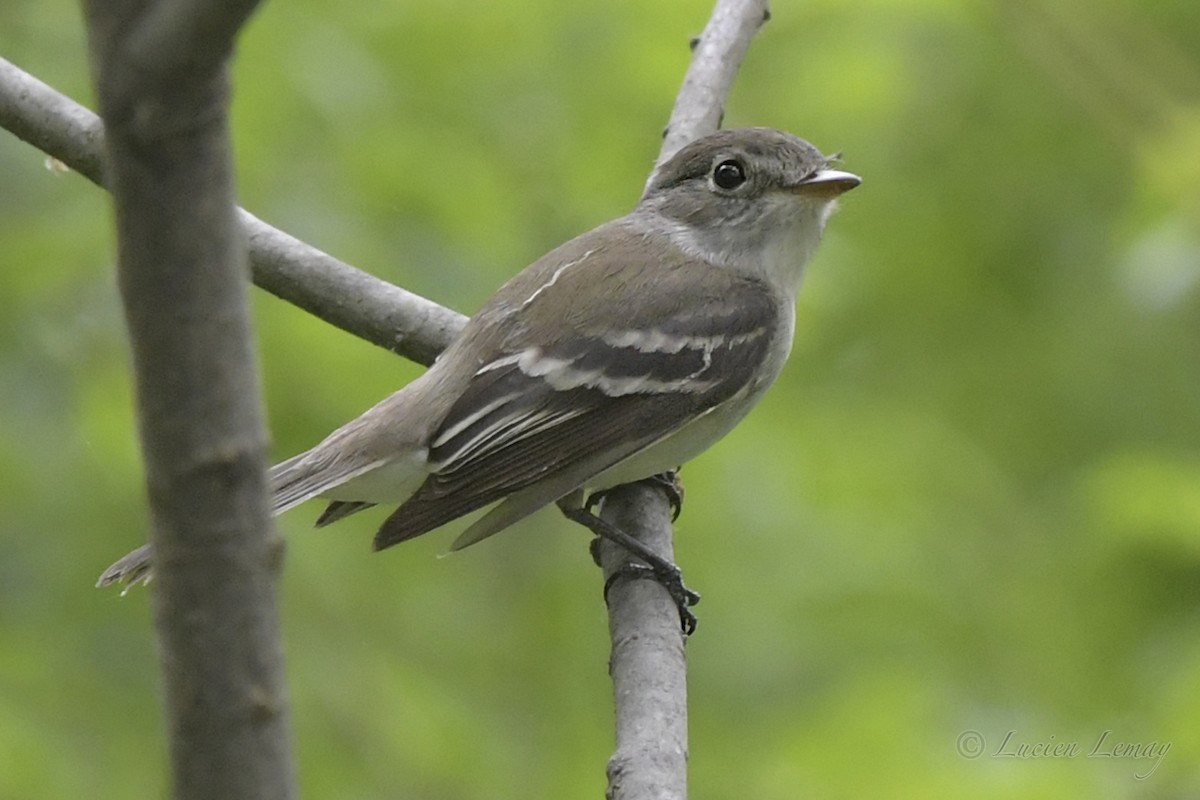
x=161, y=78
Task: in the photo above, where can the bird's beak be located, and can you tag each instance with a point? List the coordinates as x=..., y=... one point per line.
x=830, y=182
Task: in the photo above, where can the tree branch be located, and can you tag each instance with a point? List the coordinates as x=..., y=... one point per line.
x=348, y=298
x=181, y=38
x=51, y=122
x=181, y=268
x=648, y=663
x=717, y=56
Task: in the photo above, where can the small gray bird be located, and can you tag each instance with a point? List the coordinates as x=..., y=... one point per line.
x=620, y=355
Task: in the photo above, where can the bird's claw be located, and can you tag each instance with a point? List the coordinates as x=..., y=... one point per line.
x=670, y=579
x=668, y=481
x=672, y=487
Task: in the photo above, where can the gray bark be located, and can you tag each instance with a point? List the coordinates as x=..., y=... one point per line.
x=160, y=74
x=345, y=297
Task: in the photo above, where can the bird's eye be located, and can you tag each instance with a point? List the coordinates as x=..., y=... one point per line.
x=729, y=175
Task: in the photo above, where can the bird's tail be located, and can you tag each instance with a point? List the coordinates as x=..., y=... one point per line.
x=132, y=569
x=292, y=482
x=350, y=453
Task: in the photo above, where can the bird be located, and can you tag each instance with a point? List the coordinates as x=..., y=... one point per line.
x=617, y=356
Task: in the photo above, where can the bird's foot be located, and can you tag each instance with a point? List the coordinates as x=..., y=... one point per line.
x=671, y=580
x=668, y=481
x=665, y=573
x=672, y=486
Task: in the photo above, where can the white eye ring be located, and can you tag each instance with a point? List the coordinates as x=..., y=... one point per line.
x=729, y=174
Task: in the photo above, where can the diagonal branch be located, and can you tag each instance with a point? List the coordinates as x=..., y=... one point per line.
x=348, y=298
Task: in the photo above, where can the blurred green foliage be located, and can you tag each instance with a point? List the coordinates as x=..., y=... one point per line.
x=971, y=504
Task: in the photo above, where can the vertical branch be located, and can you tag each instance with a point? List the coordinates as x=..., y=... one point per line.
x=648, y=662
x=160, y=73
x=717, y=55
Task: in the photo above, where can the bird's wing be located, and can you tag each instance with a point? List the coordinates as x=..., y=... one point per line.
x=555, y=413
x=339, y=510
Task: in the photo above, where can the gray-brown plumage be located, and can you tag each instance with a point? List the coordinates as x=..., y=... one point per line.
x=623, y=353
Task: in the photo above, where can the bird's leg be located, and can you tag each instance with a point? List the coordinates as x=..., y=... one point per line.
x=668, y=481
x=656, y=567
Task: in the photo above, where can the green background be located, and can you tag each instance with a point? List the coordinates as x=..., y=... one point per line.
x=972, y=502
